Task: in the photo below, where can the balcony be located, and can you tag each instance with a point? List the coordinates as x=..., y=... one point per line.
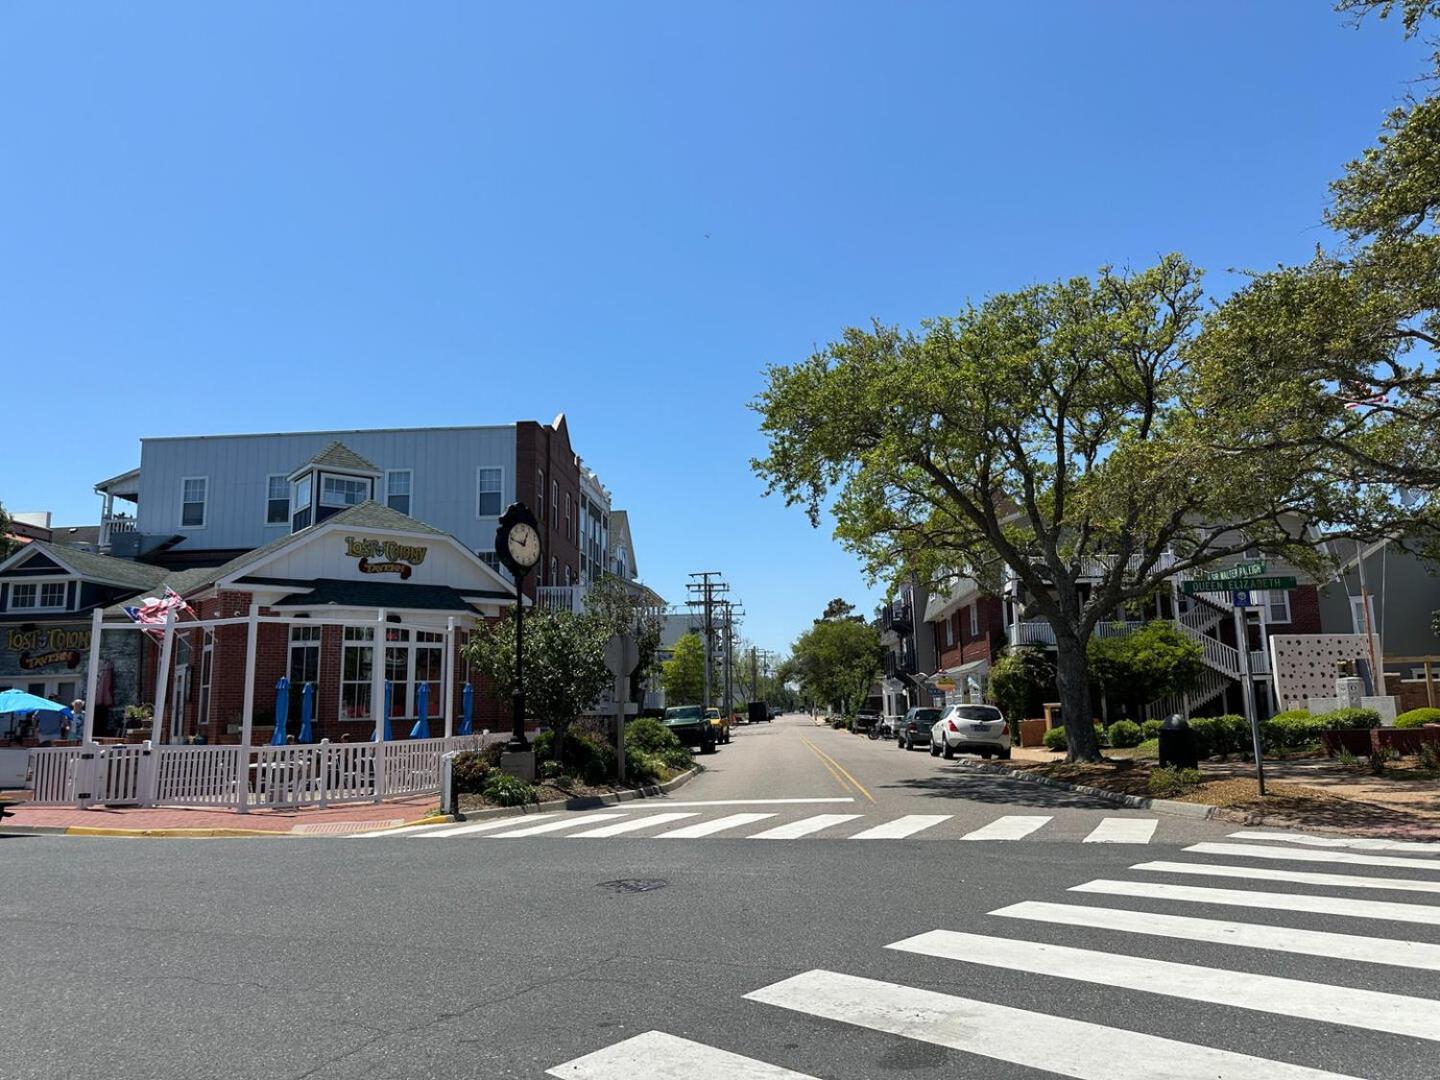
x=897, y=616
x=898, y=664
x=569, y=598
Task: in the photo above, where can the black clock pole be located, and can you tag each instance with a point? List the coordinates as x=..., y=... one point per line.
x=518, y=741
x=517, y=516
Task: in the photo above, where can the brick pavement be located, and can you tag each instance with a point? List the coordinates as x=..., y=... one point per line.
x=332, y=819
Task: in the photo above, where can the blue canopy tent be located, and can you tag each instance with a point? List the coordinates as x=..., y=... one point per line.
x=467, y=698
x=282, y=707
x=48, y=724
x=421, y=730
x=307, y=713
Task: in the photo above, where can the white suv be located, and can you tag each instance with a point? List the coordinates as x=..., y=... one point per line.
x=974, y=729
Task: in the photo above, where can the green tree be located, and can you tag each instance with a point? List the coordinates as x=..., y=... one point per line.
x=837, y=660
x=683, y=675
x=566, y=670
x=1156, y=661
x=634, y=615
x=1020, y=681
x=6, y=544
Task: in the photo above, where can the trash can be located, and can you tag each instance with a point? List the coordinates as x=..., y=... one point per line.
x=1177, y=743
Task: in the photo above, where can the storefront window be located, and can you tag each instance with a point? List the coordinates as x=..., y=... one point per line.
x=355, y=669
x=304, y=663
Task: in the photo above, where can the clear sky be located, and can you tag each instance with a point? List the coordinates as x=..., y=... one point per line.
x=287, y=216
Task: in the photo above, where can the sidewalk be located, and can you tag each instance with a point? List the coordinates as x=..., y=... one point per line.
x=171, y=821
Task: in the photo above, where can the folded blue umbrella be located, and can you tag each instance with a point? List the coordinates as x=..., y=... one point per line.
x=282, y=706
x=421, y=730
x=307, y=712
x=467, y=698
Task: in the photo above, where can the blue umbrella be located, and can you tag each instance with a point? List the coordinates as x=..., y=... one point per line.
x=467, y=711
x=282, y=705
x=17, y=701
x=389, y=733
x=307, y=711
x=421, y=730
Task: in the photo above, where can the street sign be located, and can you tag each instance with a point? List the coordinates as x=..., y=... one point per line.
x=1231, y=573
x=1241, y=598
x=1247, y=584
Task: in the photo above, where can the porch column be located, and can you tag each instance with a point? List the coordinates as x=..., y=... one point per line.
x=377, y=678
x=247, y=716
x=162, y=679
x=92, y=676
x=449, y=677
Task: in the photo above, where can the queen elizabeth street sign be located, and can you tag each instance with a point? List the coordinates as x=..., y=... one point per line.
x=1245, y=584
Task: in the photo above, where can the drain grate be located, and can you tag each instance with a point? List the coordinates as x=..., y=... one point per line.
x=629, y=885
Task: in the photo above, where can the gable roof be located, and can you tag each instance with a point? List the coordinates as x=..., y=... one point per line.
x=92, y=567
x=339, y=456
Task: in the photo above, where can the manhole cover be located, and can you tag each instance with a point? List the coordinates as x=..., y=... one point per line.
x=634, y=884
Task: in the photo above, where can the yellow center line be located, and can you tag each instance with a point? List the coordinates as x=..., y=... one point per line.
x=830, y=769
x=831, y=761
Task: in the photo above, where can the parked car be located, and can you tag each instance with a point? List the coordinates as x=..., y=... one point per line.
x=720, y=723
x=867, y=720
x=689, y=724
x=757, y=711
x=913, y=729
x=970, y=729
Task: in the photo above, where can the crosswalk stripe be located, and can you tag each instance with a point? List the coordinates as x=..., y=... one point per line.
x=1123, y=830
x=705, y=828
x=1361, y=843
x=1010, y=827
x=908, y=825
x=1371, y=1009
x=655, y=1055
x=1411, y=954
x=1073, y=1048
x=567, y=822
x=804, y=827
x=635, y=824
x=480, y=826
x=1317, y=905
x=667, y=803
x=1261, y=851
x=408, y=830
x=1266, y=873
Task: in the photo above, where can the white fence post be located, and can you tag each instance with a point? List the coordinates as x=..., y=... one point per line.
x=327, y=770
x=148, y=782
x=162, y=680
x=377, y=679
x=247, y=717
x=449, y=677
x=92, y=677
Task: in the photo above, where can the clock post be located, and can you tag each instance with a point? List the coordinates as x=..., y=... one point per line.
x=517, y=545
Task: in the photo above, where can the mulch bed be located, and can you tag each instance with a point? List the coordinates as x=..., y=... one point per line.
x=547, y=791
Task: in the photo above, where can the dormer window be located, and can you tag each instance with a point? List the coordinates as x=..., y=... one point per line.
x=343, y=491
x=300, y=514
x=329, y=482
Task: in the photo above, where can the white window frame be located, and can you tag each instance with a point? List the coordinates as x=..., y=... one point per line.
x=362, y=642
x=498, y=491
x=361, y=481
x=1270, y=600
x=540, y=494
x=204, y=503
x=569, y=520
x=554, y=505
x=949, y=631
x=1357, y=614
x=38, y=584
x=409, y=492
x=974, y=620
x=269, y=498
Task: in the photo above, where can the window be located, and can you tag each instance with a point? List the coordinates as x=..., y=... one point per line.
x=355, y=669
x=397, y=489
x=304, y=662
x=1277, y=602
x=554, y=504
x=193, y=491
x=343, y=491
x=300, y=501
x=488, y=485
x=52, y=594
x=1358, y=608
x=540, y=495
x=974, y=621
x=569, y=521
x=277, y=500
x=22, y=596
x=554, y=571
x=567, y=575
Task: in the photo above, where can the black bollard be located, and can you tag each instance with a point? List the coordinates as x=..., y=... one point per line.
x=1177, y=743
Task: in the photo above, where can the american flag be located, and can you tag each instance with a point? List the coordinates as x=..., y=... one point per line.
x=150, y=613
x=1360, y=396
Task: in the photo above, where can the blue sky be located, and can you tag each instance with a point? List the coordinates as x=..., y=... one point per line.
x=277, y=216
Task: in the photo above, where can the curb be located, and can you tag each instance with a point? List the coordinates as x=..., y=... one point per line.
x=1199, y=811
x=198, y=833
x=585, y=802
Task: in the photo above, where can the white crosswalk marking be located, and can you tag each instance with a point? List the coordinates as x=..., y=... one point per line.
x=804, y=827
x=901, y=827
x=1070, y=1048
x=1010, y=827
x=1360, y=843
x=658, y=1056
x=1318, y=905
x=480, y=826
x=1412, y=954
x=634, y=824
x=408, y=830
x=1349, y=858
x=706, y=828
x=1370, y=1009
x=1123, y=830
x=1266, y=873
x=569, y=822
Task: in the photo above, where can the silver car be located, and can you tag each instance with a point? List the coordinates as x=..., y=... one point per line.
x=970, y=729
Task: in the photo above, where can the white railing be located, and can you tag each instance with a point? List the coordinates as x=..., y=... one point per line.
x=1203, y=614
x=1117, y=629
x=1259, y=662
x=1218, y=655
x=1211, y=685
x=256, y=777
x=1097, y=566
x=561, y=598
x=1034, y=633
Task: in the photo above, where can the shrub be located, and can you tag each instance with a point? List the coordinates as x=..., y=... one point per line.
x=642, y=766
x=1291, y=730
x=1124, y=734
x=1216, y=735
x=471, y=772
x=657, y=742
x=1417, y=717
x=585, y=755
x=1055, y=739
x=551, y=770
x=1427, y=756
x=1168, y=782
x=1151, y=729
x=1350, y=719
x=509, y=790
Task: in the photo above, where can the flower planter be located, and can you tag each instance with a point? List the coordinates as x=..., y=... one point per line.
x=1404, y=740
x=1032, y=732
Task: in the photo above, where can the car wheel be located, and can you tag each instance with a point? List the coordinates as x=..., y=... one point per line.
x=985, y=754
x=948, y=752
x=707, y=748
x=1005, y=754
x=934, y=750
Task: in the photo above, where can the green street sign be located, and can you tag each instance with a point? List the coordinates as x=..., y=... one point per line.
x=1244, y=584
x=1233, y=573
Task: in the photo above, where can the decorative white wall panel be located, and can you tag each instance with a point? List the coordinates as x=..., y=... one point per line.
x=1307, y=665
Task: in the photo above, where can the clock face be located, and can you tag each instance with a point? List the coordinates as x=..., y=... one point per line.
x=524, y=545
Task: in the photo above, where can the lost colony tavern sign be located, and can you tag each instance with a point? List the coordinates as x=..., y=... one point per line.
x=384, y=556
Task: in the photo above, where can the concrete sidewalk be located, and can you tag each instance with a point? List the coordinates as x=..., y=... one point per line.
x=196, y=821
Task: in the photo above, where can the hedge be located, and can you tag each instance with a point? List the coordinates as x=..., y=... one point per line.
x=1418, y=717
x=1055, y=739
x=1124, y=734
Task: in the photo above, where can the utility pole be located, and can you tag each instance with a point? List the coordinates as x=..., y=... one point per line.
x=754, y=677
x=729, y=657
x=703, y=596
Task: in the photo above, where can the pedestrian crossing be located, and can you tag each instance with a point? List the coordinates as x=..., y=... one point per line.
x=1160, y=937
x=700, y=824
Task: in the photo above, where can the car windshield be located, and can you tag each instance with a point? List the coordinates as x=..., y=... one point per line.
x=976, y=712
x=925, y=716
x=683, y=714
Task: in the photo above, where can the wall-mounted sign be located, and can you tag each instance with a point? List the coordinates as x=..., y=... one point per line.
x=39, y=647
x=384, y=556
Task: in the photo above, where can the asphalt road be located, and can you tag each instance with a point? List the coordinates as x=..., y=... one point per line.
x=400, y=957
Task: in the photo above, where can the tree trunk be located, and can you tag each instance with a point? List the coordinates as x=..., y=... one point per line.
x=1073, y=677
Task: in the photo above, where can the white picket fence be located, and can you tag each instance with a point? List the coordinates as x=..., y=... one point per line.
x=241, y=778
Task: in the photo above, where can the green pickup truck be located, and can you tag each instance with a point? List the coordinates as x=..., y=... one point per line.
x=689, y=724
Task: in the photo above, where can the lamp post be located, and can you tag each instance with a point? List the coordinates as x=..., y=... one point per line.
x=517, y=545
